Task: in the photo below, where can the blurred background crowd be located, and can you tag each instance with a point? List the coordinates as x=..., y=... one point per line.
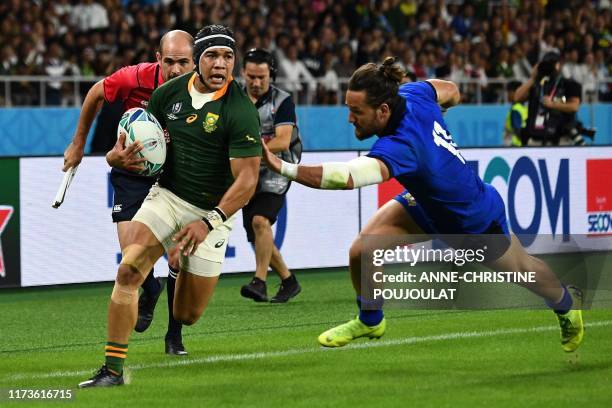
x=317, y=43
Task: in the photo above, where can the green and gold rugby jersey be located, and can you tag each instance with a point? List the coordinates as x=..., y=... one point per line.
x=203, y=140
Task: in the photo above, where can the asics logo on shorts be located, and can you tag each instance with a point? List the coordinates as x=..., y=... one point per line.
x=219, y=244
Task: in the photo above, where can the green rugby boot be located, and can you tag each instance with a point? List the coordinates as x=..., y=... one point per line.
x=345, y=333
x=572, y=326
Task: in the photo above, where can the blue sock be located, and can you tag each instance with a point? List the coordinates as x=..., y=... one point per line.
x=370, y=317
x=564, y=305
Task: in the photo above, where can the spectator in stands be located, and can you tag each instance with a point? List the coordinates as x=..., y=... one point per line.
x=435, y=32
x=89, y=15
x=8, y=60
x=296, y=74
x=312, y=58
x=345, y=65
x=329, y=85
x=572, y=68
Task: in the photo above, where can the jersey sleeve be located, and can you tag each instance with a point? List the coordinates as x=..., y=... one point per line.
x=285, y=115
x=422, y=89
x=243, y=128
x=118, y=85
x=398, y=156
x=155, y=107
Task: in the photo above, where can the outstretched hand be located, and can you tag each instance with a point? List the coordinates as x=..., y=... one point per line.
x=126, y=158
x=270, y=159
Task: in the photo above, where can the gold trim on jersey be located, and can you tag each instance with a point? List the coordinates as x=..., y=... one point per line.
x=217, y=94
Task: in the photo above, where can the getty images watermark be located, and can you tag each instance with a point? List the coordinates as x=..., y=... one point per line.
x=465, y=272
x=415, y=255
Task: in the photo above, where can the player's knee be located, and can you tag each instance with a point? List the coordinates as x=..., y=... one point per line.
x=186, y=317
x=260, y=224
x=128, y=275
x=125, y=291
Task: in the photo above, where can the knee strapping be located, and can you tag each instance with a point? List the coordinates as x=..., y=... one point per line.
x=124, y=294
x=139, y=257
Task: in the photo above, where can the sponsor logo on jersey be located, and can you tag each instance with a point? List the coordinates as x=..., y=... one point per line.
x=191, y=118
x=5, y=215
x=176, y=108
x=210, y=122
x=144, y=103
x=250, y=138
x=171, y=116
x=599, y=197
x=410, y=199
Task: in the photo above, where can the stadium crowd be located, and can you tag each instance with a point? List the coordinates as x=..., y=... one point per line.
x=317, y=42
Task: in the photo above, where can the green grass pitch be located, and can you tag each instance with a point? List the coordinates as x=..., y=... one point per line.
x=246, y=354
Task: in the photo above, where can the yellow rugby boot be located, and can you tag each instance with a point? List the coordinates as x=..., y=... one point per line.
x=572, y=326
x=345, y=333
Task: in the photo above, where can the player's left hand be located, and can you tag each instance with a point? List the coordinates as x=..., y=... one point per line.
x=547, y=102
x=192, y=235
x=270, y=159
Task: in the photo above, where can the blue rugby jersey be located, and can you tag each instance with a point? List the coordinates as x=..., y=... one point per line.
x=421, y=155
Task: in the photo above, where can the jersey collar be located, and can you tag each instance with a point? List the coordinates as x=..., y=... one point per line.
x=396, y=118
x=264, y=98
x=218, y=93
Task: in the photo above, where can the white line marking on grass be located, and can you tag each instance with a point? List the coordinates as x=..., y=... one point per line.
x=292, y=352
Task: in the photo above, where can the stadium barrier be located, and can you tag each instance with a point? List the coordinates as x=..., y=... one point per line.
x=47, y=131
x=548, y=191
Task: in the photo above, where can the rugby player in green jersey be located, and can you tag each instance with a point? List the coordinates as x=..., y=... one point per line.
x=211, y=172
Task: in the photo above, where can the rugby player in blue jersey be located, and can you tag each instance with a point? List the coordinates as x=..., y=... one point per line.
x=414, y=146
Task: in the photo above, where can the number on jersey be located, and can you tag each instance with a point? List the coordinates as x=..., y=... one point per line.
x=441, y=138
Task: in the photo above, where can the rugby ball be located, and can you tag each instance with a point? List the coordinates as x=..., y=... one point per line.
x=140, y=125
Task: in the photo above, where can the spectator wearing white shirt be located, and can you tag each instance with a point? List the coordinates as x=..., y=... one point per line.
x=89, y=16
x=295, y=73
x=573, y=69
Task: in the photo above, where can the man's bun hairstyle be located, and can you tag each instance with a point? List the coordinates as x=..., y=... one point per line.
x=380, y=82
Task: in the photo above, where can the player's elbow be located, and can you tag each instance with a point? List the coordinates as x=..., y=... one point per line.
x=455, y=94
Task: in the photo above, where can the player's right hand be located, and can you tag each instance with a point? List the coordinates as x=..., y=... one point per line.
x=72, y=156
x=126, y=158
x=270, y=159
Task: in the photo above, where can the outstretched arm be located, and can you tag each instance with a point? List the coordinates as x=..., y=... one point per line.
x=91, y=106
x=448, y=92
x=359, y=172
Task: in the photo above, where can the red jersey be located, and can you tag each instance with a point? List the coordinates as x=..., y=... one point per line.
x=133, y=84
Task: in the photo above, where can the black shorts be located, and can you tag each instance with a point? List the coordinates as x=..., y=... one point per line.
x=265, y=204
x=129, y=193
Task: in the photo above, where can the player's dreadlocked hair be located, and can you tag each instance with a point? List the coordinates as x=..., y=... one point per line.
x=212, y=36
x=380, y=82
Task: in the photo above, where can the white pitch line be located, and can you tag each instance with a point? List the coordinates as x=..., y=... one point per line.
x=291, y=352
